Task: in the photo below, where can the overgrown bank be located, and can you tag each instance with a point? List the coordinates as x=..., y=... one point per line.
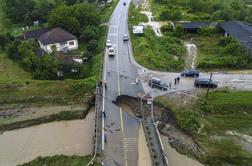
x=222, y=129
x=61, y=160
x=25, y=101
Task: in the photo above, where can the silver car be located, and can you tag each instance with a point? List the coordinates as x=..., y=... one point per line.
x=108, y=43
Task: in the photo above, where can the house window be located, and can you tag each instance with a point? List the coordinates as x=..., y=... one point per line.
x=53, y=47
x=71, y=43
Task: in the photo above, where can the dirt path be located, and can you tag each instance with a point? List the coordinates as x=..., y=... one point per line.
x=143, y=151
x=65, y=137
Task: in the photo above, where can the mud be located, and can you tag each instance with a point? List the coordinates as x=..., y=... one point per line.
x=65, y=137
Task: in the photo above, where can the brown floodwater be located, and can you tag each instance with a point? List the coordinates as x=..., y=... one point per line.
x=64, y=137
x=175, y=158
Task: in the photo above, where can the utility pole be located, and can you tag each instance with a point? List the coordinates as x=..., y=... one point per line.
x=211, y=75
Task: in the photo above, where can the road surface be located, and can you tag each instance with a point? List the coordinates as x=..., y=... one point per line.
x=120, y=128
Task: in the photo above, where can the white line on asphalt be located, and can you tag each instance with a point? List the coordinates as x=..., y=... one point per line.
x=117, y=60
x=125, y=155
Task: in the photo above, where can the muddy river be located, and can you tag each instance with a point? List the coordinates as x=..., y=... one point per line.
x=175, y=158
x=65, y=137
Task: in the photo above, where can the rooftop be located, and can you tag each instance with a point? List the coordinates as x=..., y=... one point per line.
x=35, y=33
x=241, y=31
x=197, y=25
x=56, y=35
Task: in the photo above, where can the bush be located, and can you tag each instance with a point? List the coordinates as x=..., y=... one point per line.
x=167, y=28
x=92, y=46
x=207, y=31
x=188, y=120
x=173, y=15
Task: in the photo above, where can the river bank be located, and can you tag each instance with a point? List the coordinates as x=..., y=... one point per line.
x=65, y=137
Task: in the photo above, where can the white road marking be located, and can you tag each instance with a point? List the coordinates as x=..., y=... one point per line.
x=117, y=61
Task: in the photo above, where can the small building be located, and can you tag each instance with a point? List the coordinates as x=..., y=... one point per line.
x=35, y=34
x=59, y=39
x=138, y=29
x=50, y=38
x=240, y=31
x=193, y=27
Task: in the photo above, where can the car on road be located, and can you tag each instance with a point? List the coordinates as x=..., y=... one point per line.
x=205, y=82
x=190, y=73
x=125, y=37
x=157, y=83
x=108, y=43
x=124, y=3
x=111, y=51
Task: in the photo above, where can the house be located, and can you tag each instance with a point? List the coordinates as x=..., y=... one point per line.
x=59, y=39
x=34, y=34
x=240, y=31
x=53, y=38
x=138, y=29
x=193, y=27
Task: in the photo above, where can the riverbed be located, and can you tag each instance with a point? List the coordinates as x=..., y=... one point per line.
x=175, y=158
x=64, y=137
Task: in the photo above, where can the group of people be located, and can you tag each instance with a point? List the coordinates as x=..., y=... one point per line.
x=176, y=81
x=103, y=83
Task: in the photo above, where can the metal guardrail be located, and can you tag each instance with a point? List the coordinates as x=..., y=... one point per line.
x=97, y=123
x=154, y=141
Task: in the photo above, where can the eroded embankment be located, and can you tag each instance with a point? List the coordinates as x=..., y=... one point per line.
x=25, y=115
x=170, y=130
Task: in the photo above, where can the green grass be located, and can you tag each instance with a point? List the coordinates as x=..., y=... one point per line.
x=212, y=56
x=158, y=53
x=61, y=160
x=227, y=111
x=178, y=6
x=17, y=86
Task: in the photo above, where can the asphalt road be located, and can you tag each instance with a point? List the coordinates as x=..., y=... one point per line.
x=120, y=76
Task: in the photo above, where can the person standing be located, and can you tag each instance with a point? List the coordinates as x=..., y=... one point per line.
x=105, y=137
x=175, y=81
x=170, y=85
x=104, y=114
x=178, y=79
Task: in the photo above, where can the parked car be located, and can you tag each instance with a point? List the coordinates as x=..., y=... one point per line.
x=108, y=43
x=190, y=73
x=157, y=83
x=205, y=82
x=124, y=3
x=111, y=51
x=125, y=37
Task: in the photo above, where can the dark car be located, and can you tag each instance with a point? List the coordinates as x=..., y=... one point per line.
x=157, y=83
x=205, y=82
x=190, y=73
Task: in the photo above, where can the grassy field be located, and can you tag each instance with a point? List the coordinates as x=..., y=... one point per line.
x=61, y=160
x=179, y=6
x=158, y=53
x=213, y=56
x=226, y=111
x=17, y=86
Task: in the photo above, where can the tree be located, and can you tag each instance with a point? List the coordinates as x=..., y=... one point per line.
x=179, y=30
x=47, y=68
x=72, y=18
x=5, y=38
x=12, y=50
x=27, y=51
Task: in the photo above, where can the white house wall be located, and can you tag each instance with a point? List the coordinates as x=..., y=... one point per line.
x=48, y=48
x=72, y=47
